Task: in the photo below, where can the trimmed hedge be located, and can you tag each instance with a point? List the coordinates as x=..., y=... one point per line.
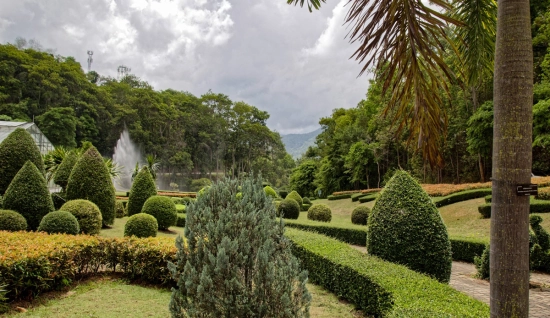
x=120, y=211
x=180, y=221
x=143, y=188
x=59, y=222
x=289, y=209
x=141, y=225
x=368, y=198
x=12, y=221
x=283, y=194
x=379, y=288
x=270, y=192
x=535, y=206
x=544, y=194
x=339, y=197
x=356, y=196
x=58, y=199
x=306, y=207
x=488, y=199
x=319, y=212
x=64, y=170
x=87, y=213
x=461, y=196
x=163, y=209
x=360, y=215
x=294, y=195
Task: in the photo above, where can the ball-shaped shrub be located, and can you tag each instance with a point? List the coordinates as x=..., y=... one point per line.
x=294, y=195
x=306, y=200
x=163, y=209
x=288, y=209
x=87, y=214
x=28, y=195
x=90, y=180
x=405, y=227
x=143, y=188
x=120, y=211
x=319, y=212
x=64, y=170
x=270, y=192
x=141, y=225
x=360, y=215
x=12, y=221
x=59, y=222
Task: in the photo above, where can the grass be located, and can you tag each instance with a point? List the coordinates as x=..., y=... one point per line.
x=117, y=230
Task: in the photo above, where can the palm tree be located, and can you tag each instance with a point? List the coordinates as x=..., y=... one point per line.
x=408, y=37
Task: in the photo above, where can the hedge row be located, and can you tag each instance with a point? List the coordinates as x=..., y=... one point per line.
x=461, y=196
x=368, y=198
x=536, y=206
x=378, y=287
x=355, y=197
x=339, y=197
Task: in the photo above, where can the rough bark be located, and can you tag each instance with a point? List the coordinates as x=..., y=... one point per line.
x=513, y=94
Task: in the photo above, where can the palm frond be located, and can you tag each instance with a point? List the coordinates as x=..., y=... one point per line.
x=311, y=4
x=52, y=160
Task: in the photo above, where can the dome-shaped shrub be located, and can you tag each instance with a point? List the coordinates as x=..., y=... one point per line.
x=141, y=225
x=90, y=180
x=163, y=209
x=120, y=211
x=288, y=209
x=319, y=212
x=87, y=214
x=12, y=221
x=405, y=227
x=270, y=192
x=360, y=215
x=59, y=222
x=63, y=172
x=142, y=189
x=306, y=200
x=28, y=195
x=15, y=151
x=294, y=195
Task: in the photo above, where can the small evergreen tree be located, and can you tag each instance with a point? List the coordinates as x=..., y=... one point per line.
x=90, y=180
x=142, y=189
x=236, y=261
x=15, y=151
x=63, y=172
x=28, y=194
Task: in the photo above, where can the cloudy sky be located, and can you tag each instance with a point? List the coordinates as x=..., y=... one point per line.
x=279, y=58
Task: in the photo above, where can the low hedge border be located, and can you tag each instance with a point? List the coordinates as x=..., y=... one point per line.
x=355, y=197
x=368, y=198
x=535, y=206
x=305, y=207
x=339, y=197
x=181, y=220
x=378, y=287
x=461, y=196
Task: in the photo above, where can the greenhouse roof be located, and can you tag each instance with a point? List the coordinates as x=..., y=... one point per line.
x=7, y=127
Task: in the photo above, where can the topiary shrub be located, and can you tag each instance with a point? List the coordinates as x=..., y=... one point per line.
x=163, y=209
x=360, y=215
x=283, y=194
x=270, y=192
x=482, y=264
x=59, y=222
x=63, y=172
x=120, y=211
x=288, y=209
x=236, y=271
x=12, y=221
x=319, y=212
x=198, y=184
x=543, y=238
x=141, y=225
x=87, y=213
x=90, y=180
x=406, y=228
x=58, y=199
x=28, y=194
x=203, y=191
x=306, y=200
x=142, y=189
x=18, y=148
x=294, y=195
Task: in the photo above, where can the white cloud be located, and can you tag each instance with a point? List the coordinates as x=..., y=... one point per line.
x=329, y=37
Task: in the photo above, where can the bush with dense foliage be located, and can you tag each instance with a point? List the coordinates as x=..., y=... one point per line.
x=356, y=196
x=58, y=199
x=535, y=206
x=288, y=209
x=198, y=184
x=236, y=271
x=543, y=194
x=90, y=180
x=120, y=211
x=180, y=221
x=28, y=194
x=319, y=212
x=12, y=221
x=18, y=148
x=63, y=172
x=143, y=188
x=461, y=196
x=543, y=238
x=87, y=213
x=339, y=197
x=295, y=196
x=163, y=209
x=184, y=200
x=360, y=215
x=270, y=192
x=306, y=200
x=283, y=194
x=369, y=198
x=406, y=228
x=141, y=225
x=59, y=222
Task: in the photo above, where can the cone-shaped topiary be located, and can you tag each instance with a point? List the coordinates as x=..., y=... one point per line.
x=294, y=195
x=90, y=180
x=141, y=225
x=28, y=194
x=360, y=215
x=163, y=209
x=120, y=211
x=63, y=172
x=12, y=221
x=15, y=150
x=270, y=192
x=405, y=227
x=289, y=209
x=62, y=222
x=236, y=262
x=543, y=238
x=142, y=189
x=319, y=212
x=87, y=214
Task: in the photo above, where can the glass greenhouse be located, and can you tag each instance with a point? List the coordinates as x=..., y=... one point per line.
x=6, y=127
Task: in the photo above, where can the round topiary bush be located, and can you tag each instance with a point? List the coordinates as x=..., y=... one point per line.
x=12, y=221
x=91, y=180
x=406, y=228
x=87, y=214
x=288, y=209
x=163, y=209
x=120, y=211
x=319, y=212
x=270, y=192
x=141, y=225
x=142, y=189
x=306, y=200
x=294, y=195
x=63, y=172
x=28, y=195
x=360, y=215
x=15, y=151
x=59, y=222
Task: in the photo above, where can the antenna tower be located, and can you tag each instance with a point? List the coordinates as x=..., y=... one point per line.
x=123, y=71
x=90, y=59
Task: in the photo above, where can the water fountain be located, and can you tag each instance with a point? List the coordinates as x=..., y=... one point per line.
x=126, y=155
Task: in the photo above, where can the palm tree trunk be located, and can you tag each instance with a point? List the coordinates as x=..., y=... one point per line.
x=513, y=96
x=481, y=168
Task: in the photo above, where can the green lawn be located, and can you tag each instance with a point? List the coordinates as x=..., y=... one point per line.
x=117, y=230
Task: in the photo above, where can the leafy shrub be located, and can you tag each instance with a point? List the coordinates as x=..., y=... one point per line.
x=339, y=197
x=58, y=199
x=180, y=221
x=12, y=221
x=306, y=200
x=406, y=228
x=543, y=194
x=485, y=210
x=294, y=195
x=18, y=148
x=61, y=222
x=356, y=196
x=543, y=238
x=319, y=212
x=184, y=200
x=360, y=215
x=90, y=180
x=482, y=264
x=252, y=264
x=198, y=184
x=87, y=213
x=461, y=196
x=306, y=207
x=288, y=209
x=368, y=198
x=180, y=208
x=141, y=225
x=63, y=172
x=28, y=194
x=120, y=211
x=270, y=192
x=203, y=191
x=142, y=189
x=283, y=193
x=488, y=198
x=535, y=206
x=163, y=209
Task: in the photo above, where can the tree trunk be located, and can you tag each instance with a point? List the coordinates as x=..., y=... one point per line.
x=513, y=98
x=481, y=168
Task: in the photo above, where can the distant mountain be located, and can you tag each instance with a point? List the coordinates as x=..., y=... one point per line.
x=297, y=144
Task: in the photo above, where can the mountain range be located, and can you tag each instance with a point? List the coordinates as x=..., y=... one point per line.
x=297, y=144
